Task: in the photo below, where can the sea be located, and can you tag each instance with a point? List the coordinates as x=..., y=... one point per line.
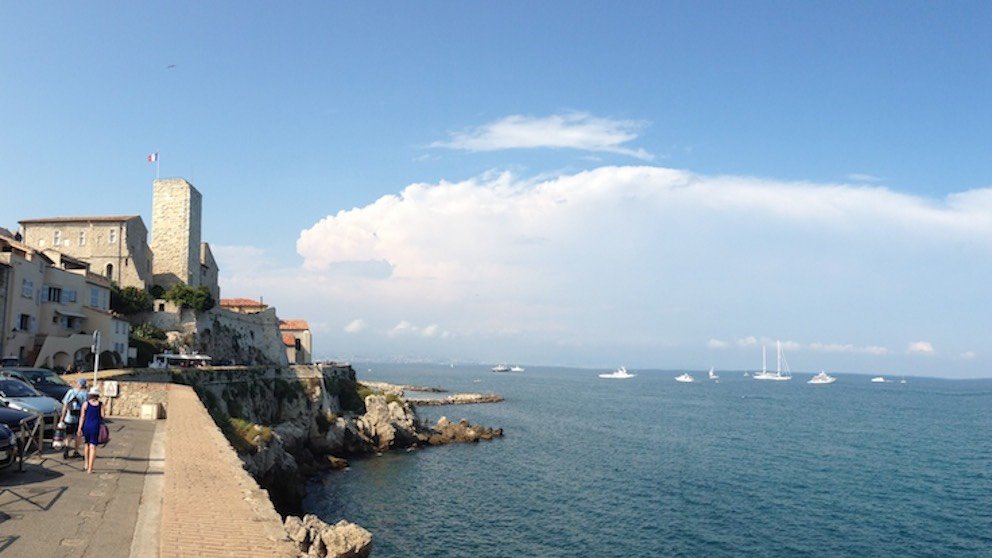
x=651, y=467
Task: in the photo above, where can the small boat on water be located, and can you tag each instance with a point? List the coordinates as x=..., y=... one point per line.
x=713, y=375
x=822, y=378
x=501, y=368
x=517, y=369
x=618, y=374
x=685, y=378
x=878, y=380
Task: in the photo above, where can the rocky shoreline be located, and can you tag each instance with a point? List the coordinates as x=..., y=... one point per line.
x=290, y=424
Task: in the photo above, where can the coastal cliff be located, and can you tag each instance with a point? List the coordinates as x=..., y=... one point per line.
x=288, y=423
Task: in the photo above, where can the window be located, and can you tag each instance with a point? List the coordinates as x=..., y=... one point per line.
x=82, y=238
x=112, y=236
x=25, y=322
x=27, y=288
x=94, y=297
x=68, y=296
x=56, y=238
x=110, y=271
x=54, y=294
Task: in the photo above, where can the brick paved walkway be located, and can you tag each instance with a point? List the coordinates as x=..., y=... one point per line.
x=211, y=506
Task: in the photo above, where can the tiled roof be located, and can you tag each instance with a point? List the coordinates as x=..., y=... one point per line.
x=94, y=219
x=288, y=340
x=242, y=302
x=293, y=324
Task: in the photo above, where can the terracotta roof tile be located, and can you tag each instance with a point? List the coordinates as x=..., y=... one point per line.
x=293, y=324
x=227, y=302
x=288, y=340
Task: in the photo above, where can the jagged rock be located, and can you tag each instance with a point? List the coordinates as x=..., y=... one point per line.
x=346, y=540
x=387, y=425
x=295, y=529
x=320, y=540
x=337, y=463
x=446, y=432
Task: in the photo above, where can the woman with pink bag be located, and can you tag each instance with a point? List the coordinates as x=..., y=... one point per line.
x=90, y=420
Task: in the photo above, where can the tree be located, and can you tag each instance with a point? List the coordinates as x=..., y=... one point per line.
x=197, y=298
x=129, y=300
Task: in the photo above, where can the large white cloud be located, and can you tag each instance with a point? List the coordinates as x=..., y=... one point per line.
x=648, y=261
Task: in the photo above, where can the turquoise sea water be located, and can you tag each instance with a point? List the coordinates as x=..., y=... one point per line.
x=652, y=467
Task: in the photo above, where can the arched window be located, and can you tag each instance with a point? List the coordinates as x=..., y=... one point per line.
x=110, y=271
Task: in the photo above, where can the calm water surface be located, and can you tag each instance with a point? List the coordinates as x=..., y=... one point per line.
x=652, y=467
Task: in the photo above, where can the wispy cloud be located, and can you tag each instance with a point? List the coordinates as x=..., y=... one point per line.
x=572, y=130
x=968, y=355
x=861, y=177
x=716, y=344
x=848, y=348
x=355, y=326
x=920, y=348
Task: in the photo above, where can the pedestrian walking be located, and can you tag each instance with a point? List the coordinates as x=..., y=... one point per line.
x=90, y=420
x=72, y=406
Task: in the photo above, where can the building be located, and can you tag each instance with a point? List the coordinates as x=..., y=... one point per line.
x=53, y=304
x=243, y=305
x=298, y=341
x=115, y=246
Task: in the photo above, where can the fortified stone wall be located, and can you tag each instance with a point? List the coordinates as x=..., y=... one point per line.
x=241, y=338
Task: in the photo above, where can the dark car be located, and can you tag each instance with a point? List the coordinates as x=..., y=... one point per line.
x=8, y=446
x=20, y=424
x=44, y=380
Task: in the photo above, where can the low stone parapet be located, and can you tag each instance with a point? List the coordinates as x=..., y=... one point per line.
x=211, y=506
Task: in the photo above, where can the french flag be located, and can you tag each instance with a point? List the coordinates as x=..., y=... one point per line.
x=152, y=157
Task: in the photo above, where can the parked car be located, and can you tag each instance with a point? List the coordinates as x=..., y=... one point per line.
x=44, y=380
x=8, y=446
x=19, y=395
x=20, y=424
x=10, y=361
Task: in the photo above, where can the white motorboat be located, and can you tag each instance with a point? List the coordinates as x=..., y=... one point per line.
x=713, y=375
x=822, y=378
x=878, y=380
x=618, y=374
x=685, y=378
x=778, y=375
x=517, y=369
x=501, y=368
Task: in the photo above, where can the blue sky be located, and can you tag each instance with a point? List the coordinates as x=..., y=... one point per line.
x=812, y=172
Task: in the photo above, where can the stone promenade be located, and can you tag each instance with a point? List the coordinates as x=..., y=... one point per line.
x=54, y=508
x=169, y=488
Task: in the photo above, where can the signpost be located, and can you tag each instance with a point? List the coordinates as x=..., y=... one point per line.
x=96, y=354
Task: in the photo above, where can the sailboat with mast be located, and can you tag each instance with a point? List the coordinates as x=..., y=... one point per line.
x=778, y=375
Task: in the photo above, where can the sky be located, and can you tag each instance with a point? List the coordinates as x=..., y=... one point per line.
x=652, y=184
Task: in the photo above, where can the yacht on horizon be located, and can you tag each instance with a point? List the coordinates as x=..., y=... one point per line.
x=822, y=378
x=777, y=375
x=685, y=378
x=618, y=374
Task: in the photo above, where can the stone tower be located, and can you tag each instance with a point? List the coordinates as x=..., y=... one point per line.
x=176, y=213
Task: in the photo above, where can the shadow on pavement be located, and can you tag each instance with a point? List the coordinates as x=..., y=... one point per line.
x=40, y=498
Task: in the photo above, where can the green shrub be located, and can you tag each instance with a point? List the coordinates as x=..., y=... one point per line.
x=129, y=300
x=197, y=298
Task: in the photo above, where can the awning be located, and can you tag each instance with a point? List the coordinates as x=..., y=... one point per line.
x=70, y=314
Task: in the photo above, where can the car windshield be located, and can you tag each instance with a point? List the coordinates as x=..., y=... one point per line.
x=44, y=378
x=16, y=388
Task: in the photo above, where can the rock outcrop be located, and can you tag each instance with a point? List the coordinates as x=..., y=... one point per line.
x=321, y=540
